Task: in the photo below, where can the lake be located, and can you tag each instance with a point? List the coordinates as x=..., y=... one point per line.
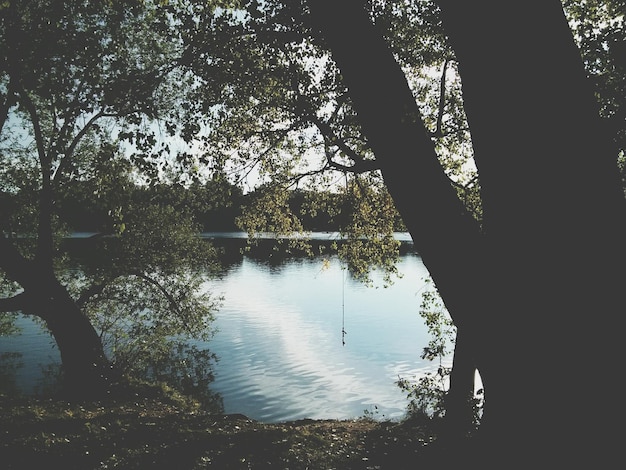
x=282, y=354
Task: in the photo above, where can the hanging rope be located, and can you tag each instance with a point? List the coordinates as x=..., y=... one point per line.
x=343, y=309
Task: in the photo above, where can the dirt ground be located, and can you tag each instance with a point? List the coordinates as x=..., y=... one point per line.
x=152, y=433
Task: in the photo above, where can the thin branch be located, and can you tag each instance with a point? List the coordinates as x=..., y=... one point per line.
x=44, y=158
x=69, y=115
x=76, y=140
x=99, y=288
x=442, y=101
x=18, y=302
x=85, y=129
x=7, y=103
x=332, y=139
x=172, y=301
x=465, y=186
x=90, y=292
x=360, y=165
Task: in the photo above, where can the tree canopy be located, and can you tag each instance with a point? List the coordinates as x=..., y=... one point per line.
x=83, y=89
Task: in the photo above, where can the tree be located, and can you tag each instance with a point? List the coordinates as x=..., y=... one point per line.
x=79, y=82
x=284, y=110
x=549, y=187
x=547, y=174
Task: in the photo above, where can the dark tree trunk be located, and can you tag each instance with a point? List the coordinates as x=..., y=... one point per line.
x=459, y=417
x=445, y=234
x=538, y=296
x=554, y=221
x=84, y=364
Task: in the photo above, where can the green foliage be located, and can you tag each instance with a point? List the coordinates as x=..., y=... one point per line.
x=7, y=325
x=146, y=323
x=147, y=299
x=185, y=368
x=363, y=214
x=268, y=211
x=372, y=219
x=438, y=323
x=277, y=114
x=599, y=28
x=161, y=238
x=427, y=394
x=82, y=86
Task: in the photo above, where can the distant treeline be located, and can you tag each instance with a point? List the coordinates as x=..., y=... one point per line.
x=215, y=206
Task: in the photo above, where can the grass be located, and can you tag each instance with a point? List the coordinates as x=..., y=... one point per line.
x=156, y=430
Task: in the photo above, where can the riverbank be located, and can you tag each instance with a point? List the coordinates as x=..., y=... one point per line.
x=160, y=432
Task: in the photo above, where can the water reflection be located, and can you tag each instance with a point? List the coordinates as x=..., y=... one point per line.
x=280, y=345
x=29, y=361
x=279, y=340
x=10, y=362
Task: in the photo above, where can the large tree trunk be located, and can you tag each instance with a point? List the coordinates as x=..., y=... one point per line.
x=445, y=234
x=84, y=364
x=554, y=221
x=459, y=417
x=538, y=294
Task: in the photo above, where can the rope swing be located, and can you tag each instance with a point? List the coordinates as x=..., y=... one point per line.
x=343, y=309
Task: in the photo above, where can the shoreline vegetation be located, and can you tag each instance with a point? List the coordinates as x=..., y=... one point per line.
x=153, y=428
x=148, y=426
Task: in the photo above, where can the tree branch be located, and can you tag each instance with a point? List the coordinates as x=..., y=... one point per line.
x=361, y=164
x=442, y=101
x=172, y=301
x=7, y=103
x=18, y=302
x=90, y=292
x=76, y=140
x=44, y=158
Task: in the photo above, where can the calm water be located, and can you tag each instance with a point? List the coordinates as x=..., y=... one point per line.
x=279, y=341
